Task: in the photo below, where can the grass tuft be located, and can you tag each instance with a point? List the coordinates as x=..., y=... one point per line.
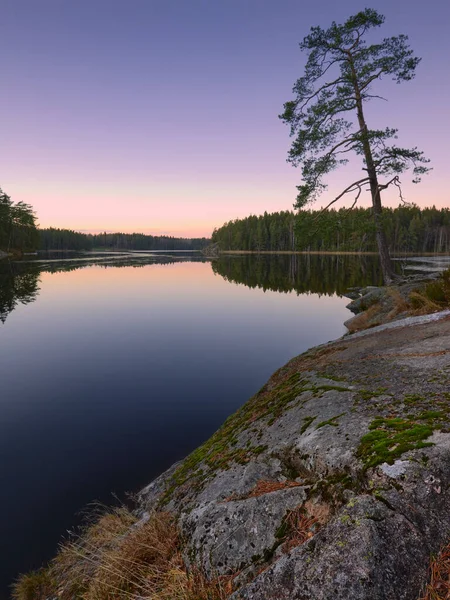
x=118, y=557
x=37, y=585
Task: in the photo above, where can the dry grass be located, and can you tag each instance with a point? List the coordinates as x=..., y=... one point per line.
x=83, y=559
x=422, y=305
x=37, y=585
x=119, y=558
x=399, y=304
x=365, y=319
x=439, y=586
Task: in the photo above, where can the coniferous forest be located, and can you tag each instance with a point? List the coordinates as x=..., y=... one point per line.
x=66, y=239
x=408, y=229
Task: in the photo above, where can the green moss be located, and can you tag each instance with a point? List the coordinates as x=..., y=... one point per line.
x=431, y=415
x=327, y=388
x=306, y=423
x=331, y=421
x=413, y=399
x=325, y=375
x=366, y=395
x=388, y=439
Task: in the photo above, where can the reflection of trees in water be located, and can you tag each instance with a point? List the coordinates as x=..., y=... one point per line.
x=19, y=282
x=304, y=273
x=17, y=286
x=320, y=274
x=135, y=261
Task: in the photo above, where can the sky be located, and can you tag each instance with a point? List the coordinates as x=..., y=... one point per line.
x=161, y=116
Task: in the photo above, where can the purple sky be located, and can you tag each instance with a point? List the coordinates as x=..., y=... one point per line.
x=161, y=115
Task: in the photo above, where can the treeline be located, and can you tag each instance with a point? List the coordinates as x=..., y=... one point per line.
x=18, y=229
x=408, y=229
x=66, y=239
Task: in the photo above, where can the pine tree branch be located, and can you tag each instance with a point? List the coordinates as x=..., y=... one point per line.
x=356, y=185
x=323, y=87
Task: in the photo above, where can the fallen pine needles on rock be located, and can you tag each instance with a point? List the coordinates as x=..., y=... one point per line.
x=439, y=586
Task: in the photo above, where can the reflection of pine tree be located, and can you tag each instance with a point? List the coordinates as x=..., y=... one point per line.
x=16, y=288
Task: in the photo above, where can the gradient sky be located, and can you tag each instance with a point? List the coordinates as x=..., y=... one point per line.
x=161, y=115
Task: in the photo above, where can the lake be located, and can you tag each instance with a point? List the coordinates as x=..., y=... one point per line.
x=114, y=367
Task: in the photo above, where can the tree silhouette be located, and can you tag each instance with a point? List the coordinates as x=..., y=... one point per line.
x=339, y=75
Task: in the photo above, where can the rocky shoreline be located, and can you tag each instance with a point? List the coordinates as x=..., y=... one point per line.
x=330, y=483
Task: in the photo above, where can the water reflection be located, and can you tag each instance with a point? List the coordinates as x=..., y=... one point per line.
x=302, y=273
x=320, y=274
x=19, y=281
x=17, y=286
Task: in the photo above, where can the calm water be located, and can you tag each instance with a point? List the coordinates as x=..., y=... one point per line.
x=110, y=372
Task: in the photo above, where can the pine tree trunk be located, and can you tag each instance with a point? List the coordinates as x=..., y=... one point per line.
x=383, y=249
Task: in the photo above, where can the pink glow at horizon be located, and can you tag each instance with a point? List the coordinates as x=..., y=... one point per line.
x=161, y=117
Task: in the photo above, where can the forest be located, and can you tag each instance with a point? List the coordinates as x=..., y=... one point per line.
x=66, y=239
x=18, y=229
x=408, y=229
